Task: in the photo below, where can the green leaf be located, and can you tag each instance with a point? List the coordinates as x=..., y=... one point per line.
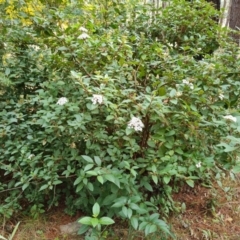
x=112, y=179
x=85, y=220
x=13, y=120
x=164, y=227
x=166, y=179
x=190, y=183
x=63, y=48
x=83, y=229
x=120, y=202
x=129, y=213
x=137, y=208
x=98, y=161
x=92, y=173
x=110, y=117
x=236, y=169
x=7, y=71
x=100, y=179
x=45, y=186
x=134, y=222
x=96, y=209
x=179, y=150
x=106, y=221
x=88, y=167
x=135, y=199
x=143, y=225
x=150, y=228
x=90, y=186
x=79, y=187
x=154, y=217
x=151, y=143
x=133, y=206
x=25, y=185
x=78, y=180
x=147, y=186
x=94, y=222
x=133, y=172
x=162, y=91
x=172, y=92
x=155, y=179
x=129, y=131
x=125, y=211
x=56, y=182
x=87, y=158
x=109, y=199
x=227, y=147
x=170, y=133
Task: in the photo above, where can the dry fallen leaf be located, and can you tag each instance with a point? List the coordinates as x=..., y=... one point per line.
x=228, y=219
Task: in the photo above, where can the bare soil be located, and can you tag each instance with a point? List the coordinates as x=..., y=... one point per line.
x=205, y=213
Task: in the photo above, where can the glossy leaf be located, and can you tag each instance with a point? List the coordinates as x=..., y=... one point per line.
x=106, y=221
x=96, y=209
x=86, y=220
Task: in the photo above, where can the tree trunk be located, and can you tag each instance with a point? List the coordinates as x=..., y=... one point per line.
x=234, y=21
x=226, y=6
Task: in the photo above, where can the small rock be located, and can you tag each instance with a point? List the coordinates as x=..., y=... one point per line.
x=70, y=228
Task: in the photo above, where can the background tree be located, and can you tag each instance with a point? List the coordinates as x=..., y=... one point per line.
x=234, y=20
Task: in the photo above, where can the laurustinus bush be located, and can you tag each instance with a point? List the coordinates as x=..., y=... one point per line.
x=105, y=113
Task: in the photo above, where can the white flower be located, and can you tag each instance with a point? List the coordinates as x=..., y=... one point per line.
x=198, y=165
x=31, y=156
x=34, y=47
x=185, y=81
x=83, y=36
x=62, y=101
x=191, y=86
x=221, y=96
x=179, y=94
x=83, y=29
x=97, y=99
x=231, y=118
x=136, y=123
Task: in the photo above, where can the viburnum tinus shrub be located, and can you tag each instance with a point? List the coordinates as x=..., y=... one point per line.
x=112, y=115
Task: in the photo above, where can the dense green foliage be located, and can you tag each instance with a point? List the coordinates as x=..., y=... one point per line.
x=81, y=150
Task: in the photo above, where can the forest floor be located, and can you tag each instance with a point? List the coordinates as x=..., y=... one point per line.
x=206, y=213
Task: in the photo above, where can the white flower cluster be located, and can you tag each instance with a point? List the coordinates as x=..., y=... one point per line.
x=83, y=29
x=84, y=34
x=221, y=96
x=34, y=47
x=185, y=81
x=179, y=94
x=136, y=123
x=199, y=164
x=231, y=118
x=62, y=101
x=97, y=99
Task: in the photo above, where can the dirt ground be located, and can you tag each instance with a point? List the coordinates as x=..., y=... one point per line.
x=205, y=213
x=209, y=213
